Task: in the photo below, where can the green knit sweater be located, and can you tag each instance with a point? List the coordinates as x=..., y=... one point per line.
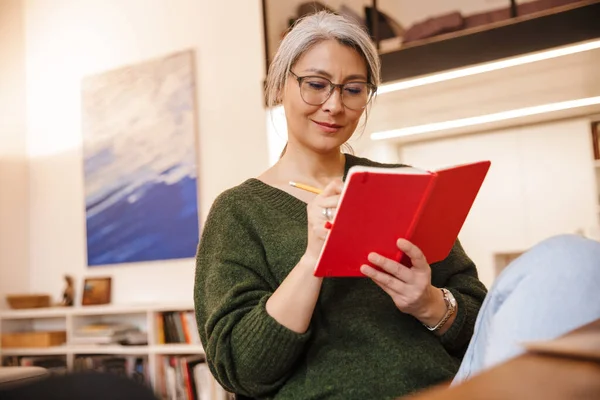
x=358, y=346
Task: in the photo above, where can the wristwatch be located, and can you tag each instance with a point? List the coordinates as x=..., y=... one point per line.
x=450, y=309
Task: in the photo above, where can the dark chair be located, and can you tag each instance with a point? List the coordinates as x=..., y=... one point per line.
x=79, y=386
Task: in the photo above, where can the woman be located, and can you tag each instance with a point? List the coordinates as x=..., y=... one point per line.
x=273, y=330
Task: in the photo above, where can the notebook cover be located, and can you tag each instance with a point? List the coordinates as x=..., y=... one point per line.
x=447, y=208
x=378, y=208
x=374, y=211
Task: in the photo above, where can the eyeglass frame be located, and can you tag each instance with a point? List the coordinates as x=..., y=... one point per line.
x=332, y=87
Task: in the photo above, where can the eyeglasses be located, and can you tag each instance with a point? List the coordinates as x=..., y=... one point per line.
x=316, y=90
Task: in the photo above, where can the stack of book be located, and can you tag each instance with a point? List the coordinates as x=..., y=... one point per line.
x=109, y=334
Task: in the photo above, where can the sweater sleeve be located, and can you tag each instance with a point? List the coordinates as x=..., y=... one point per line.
x=247, y=350
x=458, y=274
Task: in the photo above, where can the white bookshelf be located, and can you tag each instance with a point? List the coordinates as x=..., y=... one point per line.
x=144, y=316
x=176, y=349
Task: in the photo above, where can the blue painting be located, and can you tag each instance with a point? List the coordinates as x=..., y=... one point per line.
x=140, y=167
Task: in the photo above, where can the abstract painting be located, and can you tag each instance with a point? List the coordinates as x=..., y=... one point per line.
x=140, y=164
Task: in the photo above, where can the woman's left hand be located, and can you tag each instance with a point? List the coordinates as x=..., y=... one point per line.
x=409, y=288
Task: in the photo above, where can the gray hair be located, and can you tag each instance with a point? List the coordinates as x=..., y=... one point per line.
x=309, y=31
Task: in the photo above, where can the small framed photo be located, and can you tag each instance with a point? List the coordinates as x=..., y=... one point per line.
x=596, y=139
x=96, y=291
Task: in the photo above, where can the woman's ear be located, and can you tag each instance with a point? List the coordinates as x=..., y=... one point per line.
x=281, y=91
x=279, y=95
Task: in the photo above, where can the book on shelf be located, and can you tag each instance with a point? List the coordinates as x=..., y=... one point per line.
x=380, y=205
x=186, y=377
x=177, y=327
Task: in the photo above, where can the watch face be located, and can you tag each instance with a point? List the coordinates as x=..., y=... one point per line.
x=450, y=297
x=452, y=301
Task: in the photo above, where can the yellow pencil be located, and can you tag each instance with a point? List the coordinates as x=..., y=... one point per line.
x=305, y=187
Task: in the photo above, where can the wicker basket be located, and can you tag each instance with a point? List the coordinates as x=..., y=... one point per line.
x=21, y=301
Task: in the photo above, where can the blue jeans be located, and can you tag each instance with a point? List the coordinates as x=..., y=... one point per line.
x=549, y=290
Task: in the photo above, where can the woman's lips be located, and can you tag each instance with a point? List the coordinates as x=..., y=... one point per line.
x=326, y=127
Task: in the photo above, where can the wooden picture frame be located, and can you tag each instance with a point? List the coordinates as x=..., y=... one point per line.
x=96, y=291
x=596, y=139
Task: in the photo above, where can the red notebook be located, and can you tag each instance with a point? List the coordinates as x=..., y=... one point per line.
x=380, y=205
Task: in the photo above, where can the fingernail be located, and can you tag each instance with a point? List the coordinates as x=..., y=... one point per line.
x=328, y=225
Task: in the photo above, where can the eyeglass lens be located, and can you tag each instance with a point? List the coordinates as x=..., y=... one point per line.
x=315, y=91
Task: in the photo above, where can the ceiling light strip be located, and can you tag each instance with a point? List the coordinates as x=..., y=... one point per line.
x=493, y=66
x=483, y=119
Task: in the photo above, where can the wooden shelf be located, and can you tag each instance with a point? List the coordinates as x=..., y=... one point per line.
x=107, y=349
x=176, y=349
x=517, y=36
x=57, y=312
x=36, y=351
x=34, y=313
x=87, y=349
x=102, y=310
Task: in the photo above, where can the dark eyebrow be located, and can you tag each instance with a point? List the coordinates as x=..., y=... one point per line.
x=328, y=75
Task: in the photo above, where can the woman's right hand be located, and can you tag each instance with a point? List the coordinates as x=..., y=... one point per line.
x=293, y=302
x=328, y=199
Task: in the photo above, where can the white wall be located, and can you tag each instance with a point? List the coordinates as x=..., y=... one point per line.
x=14, y=188
x=70, y=39
x=541, y=183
